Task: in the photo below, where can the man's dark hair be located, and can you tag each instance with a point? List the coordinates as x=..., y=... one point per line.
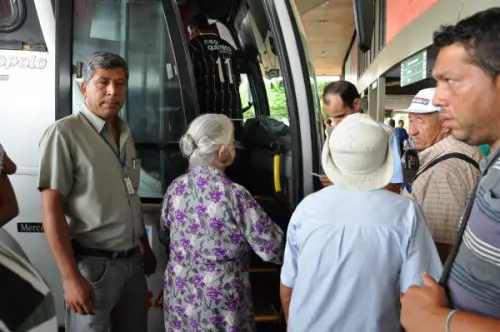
x=200, y=22
x=103, y=60
x=401, y=122
x=392, y=123
x=479, y=35
x=346, y=90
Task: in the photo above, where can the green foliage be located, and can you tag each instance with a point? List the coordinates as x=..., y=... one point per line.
x=276, y=95
x=277, y=100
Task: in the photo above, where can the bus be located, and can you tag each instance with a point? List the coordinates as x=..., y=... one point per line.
x=43, y=44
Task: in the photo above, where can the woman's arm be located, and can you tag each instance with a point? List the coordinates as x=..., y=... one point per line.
x=264, y=236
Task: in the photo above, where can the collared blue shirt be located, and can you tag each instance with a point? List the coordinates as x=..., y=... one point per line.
x=349, y=256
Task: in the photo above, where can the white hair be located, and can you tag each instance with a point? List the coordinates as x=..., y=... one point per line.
x=204, y=137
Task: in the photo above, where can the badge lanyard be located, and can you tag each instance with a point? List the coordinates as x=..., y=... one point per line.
x=126, y=177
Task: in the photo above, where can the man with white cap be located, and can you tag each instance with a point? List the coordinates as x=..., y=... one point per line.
x=448, y=171
x=347, y=257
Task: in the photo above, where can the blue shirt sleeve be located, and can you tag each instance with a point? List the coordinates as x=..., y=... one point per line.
x=397, y=177
x=289, y=268
x=420, y=254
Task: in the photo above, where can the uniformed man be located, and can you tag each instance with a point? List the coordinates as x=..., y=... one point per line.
x=89, y=175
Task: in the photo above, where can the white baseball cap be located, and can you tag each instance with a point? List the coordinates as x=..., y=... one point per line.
x=422, y=102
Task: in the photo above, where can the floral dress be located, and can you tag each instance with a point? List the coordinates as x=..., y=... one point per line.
x=210, y=226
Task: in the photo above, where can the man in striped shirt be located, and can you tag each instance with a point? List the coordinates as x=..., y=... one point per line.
x=215, y=70
x=468, y=74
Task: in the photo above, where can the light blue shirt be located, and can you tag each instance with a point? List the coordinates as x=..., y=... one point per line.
x=348, y=257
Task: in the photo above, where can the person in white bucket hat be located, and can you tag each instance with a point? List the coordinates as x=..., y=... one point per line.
x=363, y=162
x=448, y=171
x=346, y=251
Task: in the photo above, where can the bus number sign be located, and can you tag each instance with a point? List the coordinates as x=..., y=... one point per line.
x=155, y=302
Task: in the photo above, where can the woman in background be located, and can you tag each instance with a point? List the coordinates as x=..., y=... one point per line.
x=210, y=225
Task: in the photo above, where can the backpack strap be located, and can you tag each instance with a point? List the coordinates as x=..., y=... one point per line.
x=457, y=155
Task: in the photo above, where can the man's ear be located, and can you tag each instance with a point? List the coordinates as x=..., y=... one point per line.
x=444, y=130
x=83, y=89
x=357, y=104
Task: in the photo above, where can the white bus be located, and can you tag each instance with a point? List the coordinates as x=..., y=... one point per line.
x=42, y=46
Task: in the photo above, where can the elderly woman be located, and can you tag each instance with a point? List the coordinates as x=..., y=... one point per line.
x=210, y=224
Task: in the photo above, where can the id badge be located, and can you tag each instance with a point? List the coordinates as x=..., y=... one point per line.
x=130, y=187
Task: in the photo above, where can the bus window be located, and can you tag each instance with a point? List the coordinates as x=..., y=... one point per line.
x=155, y=107
x=19, y=27
x=270, y=72
x=267, y=131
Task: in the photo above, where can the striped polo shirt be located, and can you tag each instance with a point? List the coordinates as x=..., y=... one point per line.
x=474, y=283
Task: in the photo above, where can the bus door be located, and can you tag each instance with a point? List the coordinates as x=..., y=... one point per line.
x=149, y=36
x=270, y=38
x=281, y=138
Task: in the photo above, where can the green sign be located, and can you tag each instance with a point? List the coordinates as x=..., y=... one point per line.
x=414, y=69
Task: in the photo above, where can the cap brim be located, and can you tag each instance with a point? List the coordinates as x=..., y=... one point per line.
x=417, y=111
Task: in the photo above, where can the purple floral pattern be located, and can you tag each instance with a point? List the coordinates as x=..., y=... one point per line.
x=210, y=225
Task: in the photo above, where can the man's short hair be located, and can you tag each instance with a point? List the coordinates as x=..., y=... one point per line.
x=345, y=89
x=103, y=60
x=200, y=22
x=479, y=35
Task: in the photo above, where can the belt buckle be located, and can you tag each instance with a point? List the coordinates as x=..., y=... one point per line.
x=118, y=254
x=121, y=254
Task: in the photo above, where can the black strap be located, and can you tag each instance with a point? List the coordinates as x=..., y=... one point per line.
x=445, y=157
x=458, y=239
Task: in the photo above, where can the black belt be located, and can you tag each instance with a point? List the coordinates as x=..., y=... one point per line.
x=84, y=251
